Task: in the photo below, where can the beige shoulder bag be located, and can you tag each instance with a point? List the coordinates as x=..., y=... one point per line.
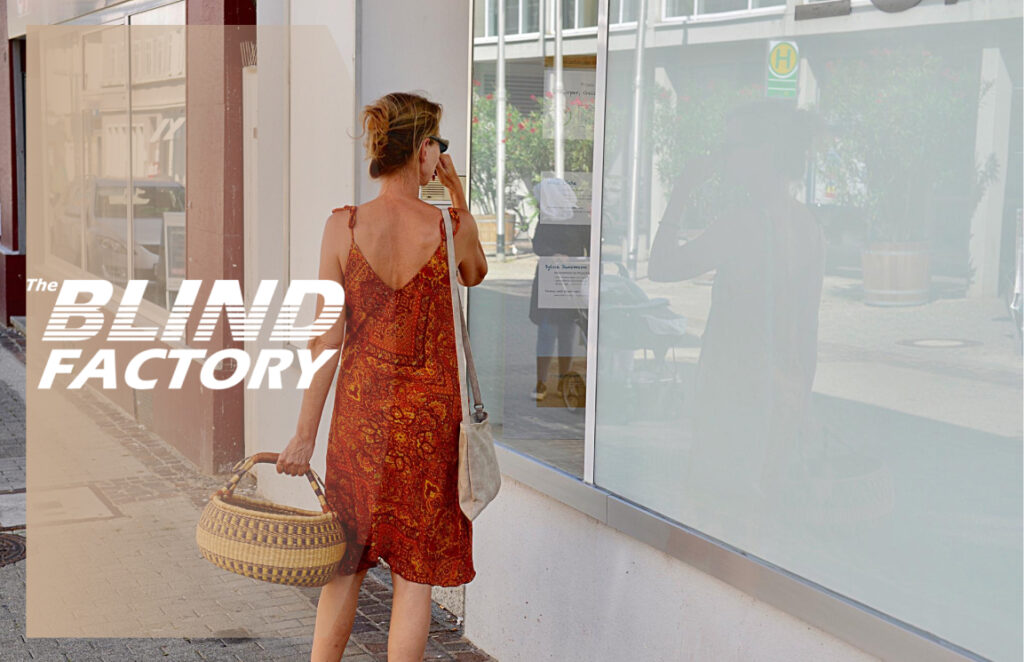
x=479, y=475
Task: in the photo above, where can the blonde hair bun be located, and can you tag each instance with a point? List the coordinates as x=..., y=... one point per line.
x=395, y=125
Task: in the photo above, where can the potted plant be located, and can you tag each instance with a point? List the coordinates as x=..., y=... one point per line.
x=904, y=130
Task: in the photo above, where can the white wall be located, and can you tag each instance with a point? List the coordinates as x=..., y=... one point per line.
x=323, y=79
x=555, y=584
x=423, y=47
x=306, y=151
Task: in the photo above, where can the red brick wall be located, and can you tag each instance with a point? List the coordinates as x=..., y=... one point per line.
x=205, y=425
x=12, y=259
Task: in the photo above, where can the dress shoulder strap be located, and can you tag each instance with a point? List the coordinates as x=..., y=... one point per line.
x=351, y=218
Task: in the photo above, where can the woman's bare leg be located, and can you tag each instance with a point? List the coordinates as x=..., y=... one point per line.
x=410, y=620
x=335, y=613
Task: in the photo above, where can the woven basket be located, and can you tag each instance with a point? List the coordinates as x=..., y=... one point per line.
x=267, y=541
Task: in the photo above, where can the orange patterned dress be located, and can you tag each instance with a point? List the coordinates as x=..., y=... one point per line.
x=392, y=452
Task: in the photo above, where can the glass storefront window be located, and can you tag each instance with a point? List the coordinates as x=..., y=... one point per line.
x=579, y=14
x=528, y=318
x=491, y=7
x=805, y=348
x=809, y=339
x=521, y=16
x=102, y=109
x=512, y=17
x=531, y=15
x=685, y=8
x=716, y=6
x=622, y=11
x=75, y=145
x=481, y=19
x=125, y=95
x=158, y=158
x=568, y=14
x=678, y=8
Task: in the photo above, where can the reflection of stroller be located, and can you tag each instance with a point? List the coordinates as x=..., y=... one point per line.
x=630, y=321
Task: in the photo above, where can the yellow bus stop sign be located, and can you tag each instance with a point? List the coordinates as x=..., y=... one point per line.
x=783, y=64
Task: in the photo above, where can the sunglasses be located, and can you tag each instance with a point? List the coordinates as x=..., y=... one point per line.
x=441, y=143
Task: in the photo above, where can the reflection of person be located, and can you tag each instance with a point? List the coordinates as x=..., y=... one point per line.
x=392, y=450
x=759, y=348
x=556, y=327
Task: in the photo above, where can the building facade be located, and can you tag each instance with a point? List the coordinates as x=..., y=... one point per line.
x=749, y=339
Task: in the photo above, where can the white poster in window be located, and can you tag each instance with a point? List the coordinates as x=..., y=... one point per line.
x=565, y=201
x=580, y=87
x=562, y=282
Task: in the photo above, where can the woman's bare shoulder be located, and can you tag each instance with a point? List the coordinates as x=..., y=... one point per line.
x=379, y=208
x=336, y=239
x=462, y=213
x=336, y=225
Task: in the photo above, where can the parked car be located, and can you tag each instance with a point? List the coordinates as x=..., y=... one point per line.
x=105, y=226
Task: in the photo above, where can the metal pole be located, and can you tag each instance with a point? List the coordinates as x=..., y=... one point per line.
x=500, y=126
x=559, y=95
x=596, y=205
x=634, y=175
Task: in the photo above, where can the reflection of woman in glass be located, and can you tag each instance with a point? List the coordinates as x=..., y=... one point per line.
x=558, y=234
x=759, y=347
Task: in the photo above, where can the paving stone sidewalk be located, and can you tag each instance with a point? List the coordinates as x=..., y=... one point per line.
x=169, y=481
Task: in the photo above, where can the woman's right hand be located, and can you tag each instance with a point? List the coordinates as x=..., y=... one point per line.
x=450, y=179
x=294, y=459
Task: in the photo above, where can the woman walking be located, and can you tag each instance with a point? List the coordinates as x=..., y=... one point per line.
x=392, y=453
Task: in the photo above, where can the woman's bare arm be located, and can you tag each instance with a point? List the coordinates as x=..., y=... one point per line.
x=469, y=253
x=670, y=262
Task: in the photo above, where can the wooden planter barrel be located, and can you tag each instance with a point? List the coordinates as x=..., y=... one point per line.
x=488, y=228
x=896, y=274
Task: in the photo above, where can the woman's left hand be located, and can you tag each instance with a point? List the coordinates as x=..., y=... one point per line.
x=446, y=173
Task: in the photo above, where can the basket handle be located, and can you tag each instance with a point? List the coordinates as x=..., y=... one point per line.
x=243, y=465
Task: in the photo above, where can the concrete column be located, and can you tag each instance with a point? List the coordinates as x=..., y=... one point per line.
x=992, y=138
x=212, y=435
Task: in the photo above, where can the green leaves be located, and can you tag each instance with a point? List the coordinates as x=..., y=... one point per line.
x=904, y=130
x=529, y=148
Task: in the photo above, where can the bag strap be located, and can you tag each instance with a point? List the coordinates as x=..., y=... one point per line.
x=462, y=345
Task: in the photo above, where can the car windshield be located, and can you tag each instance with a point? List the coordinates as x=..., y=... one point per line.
x=149, y=201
